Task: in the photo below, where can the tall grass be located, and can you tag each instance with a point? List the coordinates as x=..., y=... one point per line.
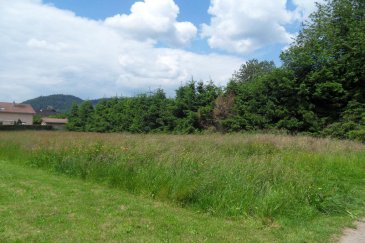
x=266, y=176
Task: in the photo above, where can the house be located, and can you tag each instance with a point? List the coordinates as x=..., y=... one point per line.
x=49, y=111
x=13, y=113
x=57, y=124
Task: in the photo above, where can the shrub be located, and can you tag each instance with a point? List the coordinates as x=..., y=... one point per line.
x=358, y=135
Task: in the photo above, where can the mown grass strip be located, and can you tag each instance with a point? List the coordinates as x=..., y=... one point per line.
x=40, y=207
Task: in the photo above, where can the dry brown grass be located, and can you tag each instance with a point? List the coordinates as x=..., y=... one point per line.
x=157, y=141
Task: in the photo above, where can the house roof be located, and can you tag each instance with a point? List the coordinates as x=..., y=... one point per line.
x=54, y=121
x=16, y=108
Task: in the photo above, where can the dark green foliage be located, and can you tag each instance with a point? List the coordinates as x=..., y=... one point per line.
x=351, y=125
x=357, y=135
x=328, y=58
x=97, y=101
x=59, y=116
x=25, y=128
x=37, y=119
x=270, y=101
x=250, y=71
x=102, y=113
x=81, y=118
x=140, y=114
x=74, y=121
x=191, y=111
x=194, y=106
x=86, y=112
x=320, y=88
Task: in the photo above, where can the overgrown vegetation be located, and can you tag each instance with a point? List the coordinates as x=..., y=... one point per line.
x=320, y=89
x=40, y=207
x=24, y=128
x=280, y=180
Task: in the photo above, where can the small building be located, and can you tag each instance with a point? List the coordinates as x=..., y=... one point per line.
x=47, y=112
x=57, y=124
x=13, y=114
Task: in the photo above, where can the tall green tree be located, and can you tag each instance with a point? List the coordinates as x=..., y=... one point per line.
x=253, y=69
x=328, y=58
x=194, y=106
x=74, y=121
x=86, y=114
x=102, y=117
x=321, y=78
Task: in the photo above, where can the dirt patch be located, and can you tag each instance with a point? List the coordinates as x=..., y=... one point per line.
x=356, y=235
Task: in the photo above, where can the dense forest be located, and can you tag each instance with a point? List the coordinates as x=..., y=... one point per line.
x=319, y=89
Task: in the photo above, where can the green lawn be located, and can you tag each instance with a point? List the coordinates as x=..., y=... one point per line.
x=41, y=207
x=38, y=206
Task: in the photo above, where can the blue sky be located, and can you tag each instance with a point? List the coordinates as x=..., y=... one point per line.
x=193, y=11
x=190, y=10
x=97, y=48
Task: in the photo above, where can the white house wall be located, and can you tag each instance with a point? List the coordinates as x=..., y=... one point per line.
x=10, y=118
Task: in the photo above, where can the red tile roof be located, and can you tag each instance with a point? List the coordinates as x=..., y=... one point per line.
x=54, y=121
x=16, y=108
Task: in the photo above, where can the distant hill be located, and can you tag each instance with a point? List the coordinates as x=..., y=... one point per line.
x=95, y=102
x=61, y=103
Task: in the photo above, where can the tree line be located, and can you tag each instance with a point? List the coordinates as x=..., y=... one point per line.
x=319, y=89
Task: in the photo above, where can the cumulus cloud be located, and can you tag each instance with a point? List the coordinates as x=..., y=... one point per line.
x=245, y=26
x=45, y=50
x=306, y=7
x=164, y=65
x=42, y=44
x=154, y=20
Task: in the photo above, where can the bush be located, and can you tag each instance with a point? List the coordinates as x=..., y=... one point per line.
x=340, y=129
x=23, y=128
x=358, y=135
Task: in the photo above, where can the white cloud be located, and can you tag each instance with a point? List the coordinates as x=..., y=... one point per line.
x=154, y=20
x=306, y=7
x=164, y=65
x=245, y=26
x=42, y=44
x=45, y=50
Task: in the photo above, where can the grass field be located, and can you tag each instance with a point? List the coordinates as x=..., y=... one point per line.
x=39, y=207
x=240, y=187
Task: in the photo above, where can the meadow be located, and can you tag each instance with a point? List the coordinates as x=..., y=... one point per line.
x=257, y=187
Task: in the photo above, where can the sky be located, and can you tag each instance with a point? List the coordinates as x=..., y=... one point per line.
x=104, y=48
